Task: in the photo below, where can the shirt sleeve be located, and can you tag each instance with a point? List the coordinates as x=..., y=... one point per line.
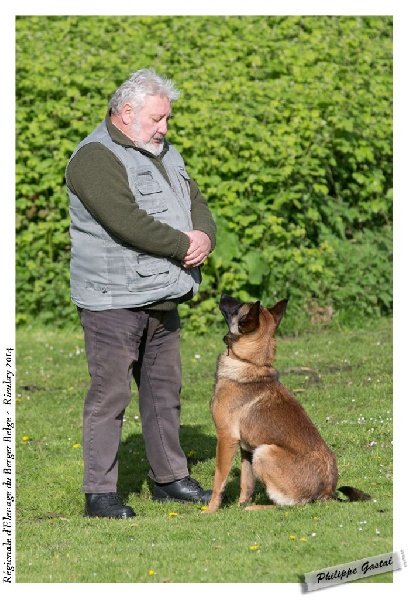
x=99, y=179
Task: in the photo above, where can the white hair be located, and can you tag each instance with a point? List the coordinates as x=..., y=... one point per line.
x=138, y=86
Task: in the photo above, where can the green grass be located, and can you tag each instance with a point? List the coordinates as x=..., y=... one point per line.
x=347, y=391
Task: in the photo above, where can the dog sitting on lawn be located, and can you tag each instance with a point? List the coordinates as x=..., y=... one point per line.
x=252, y=410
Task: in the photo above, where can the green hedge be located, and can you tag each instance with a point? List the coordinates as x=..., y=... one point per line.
x=285, y=123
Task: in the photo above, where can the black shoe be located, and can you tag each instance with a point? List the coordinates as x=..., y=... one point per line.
x=182, y=490
x=106, y=505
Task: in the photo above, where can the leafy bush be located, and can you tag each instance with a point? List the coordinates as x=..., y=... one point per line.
x=285, y=123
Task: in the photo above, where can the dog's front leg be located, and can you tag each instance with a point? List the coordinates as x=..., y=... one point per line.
x=226, y=448
x=247, y=478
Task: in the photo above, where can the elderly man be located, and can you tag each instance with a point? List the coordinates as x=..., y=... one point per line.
x=140, y=231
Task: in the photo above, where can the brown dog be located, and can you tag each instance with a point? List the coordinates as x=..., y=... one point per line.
x=279, y=444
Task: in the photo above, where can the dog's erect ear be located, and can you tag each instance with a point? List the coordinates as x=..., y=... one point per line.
x=250, y=321
x=279, y=310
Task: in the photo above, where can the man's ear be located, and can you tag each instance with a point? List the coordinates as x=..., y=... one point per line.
x=126, y=113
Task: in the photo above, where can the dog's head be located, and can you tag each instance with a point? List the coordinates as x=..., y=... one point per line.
x=249, y=320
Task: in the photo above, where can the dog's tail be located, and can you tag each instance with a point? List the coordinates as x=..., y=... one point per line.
x=353, y=494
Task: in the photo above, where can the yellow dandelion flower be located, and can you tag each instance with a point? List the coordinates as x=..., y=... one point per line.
x=254, y=547
x=303, y=539
x=151, y=572
x=76, y=445
x=173, y=514
x=204, y=508
x=292, y=537
x=25, y=438
x=315, y=518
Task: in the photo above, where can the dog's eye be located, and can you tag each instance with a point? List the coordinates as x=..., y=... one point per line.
x=242, y=325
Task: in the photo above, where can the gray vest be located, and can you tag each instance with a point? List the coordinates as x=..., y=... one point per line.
x=104, y=272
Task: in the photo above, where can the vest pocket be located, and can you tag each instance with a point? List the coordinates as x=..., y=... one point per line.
x=152, y=204
x=145, y=272
x=146, y=184
x=184, y=173
x=184, y=180
x=148, y=193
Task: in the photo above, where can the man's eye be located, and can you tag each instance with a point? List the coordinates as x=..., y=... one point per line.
x=158, y=119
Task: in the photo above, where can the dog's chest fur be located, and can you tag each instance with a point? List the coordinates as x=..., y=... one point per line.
x=234, y=369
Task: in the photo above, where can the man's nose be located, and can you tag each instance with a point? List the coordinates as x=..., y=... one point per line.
x=163, y=127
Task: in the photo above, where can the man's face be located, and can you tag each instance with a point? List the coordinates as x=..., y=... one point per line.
x=151, y=124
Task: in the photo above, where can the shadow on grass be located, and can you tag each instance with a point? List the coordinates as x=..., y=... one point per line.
x=134, y=467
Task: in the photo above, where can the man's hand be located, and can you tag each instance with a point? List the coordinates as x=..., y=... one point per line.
x=198, y=250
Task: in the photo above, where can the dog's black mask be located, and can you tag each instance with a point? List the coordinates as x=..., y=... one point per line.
x=228, y=307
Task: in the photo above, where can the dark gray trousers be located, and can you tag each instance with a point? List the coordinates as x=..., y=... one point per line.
x=122, y=344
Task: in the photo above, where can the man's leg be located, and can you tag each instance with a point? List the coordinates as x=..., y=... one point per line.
x=158, y=376
x=111, y=340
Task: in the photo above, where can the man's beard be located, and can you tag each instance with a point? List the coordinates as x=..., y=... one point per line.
x=155, y=149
